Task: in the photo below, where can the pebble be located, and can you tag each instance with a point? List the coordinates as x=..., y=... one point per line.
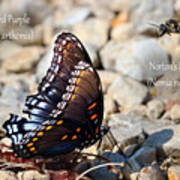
x=12, y=49
x=175, y=113
x=135, y=58
x=123, y=32
x=128, y=92
x=76, y=15
x=93, y=31
x=32, y=175
x=26, y=59
x=155, y=109
x=150, y=172
x=7, y=175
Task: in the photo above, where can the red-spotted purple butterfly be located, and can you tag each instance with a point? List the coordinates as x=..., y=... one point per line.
x=67, y=111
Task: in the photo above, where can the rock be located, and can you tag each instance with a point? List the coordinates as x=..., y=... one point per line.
x=143, y=156
x=155, y=109
x=25, y=59
x=32, y=175
x=126, y=127
x=167, y=87
x=7, y=175
x=175, y=113
x=10, y=102
x=127, y=92
x=20, y=82
x=122, y=32
x=12, y=49
x=165, y=140
x=37, y=11
x=109, y=105
x=174, y=172
x=92, y=54
x=43, y=65
x=172, y=46
x=103, y=173
x=107, y=78
x=150, y=172
x=93, y=31
x=138, y=110
x=154, y=10
x=135, y=58
x=30, y=35
x=76, y=15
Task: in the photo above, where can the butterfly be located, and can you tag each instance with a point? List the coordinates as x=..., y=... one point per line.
x=67, y=111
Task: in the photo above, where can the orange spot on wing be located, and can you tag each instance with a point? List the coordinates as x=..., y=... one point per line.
x=64, y=137
x=94, y=116
x=29, y=144
x=89, y=136
x=32, y=149
x=48, y=128
x=40, y=133
x=81, y=73
x=59, y=122
x=75, y=89
x=73, y=96
x=77, y=81
x=74, y=137
x=34, y=139
x=97, y=130
x=64, y=51
x=92, y=106
x=78, y=130
x=68, y=45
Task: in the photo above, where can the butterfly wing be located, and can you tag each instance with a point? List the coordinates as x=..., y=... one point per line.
x=69, y=104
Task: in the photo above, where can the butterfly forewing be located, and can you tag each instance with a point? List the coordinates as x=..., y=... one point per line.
x=67, y=110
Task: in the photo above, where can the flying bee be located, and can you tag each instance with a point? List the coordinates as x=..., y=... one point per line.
x=170, y=26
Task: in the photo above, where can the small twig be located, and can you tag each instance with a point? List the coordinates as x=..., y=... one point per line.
x=97, y=167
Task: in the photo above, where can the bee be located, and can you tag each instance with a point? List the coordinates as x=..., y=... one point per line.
x=170, y=26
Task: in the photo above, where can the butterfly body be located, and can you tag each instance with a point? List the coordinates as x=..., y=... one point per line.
x=67, y=111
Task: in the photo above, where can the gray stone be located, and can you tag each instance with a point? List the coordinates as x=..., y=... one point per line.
x=155, y=109
x=92, y=54
x=25, y=59
x=151, y=173
x=140, y=59
x=165, y=140
x=12, y=49
x=127, y=92
x=75, y=16
x=143, y=156
x=167, y=87
x=126, y=127
x=93, y=31
x=7, y=175
x=175, y=113
x=107, y=78
x=44, y=64
x=109, y=105
x=10, y=102
x=32, y=175
x=143, y=12
x=122, y=32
